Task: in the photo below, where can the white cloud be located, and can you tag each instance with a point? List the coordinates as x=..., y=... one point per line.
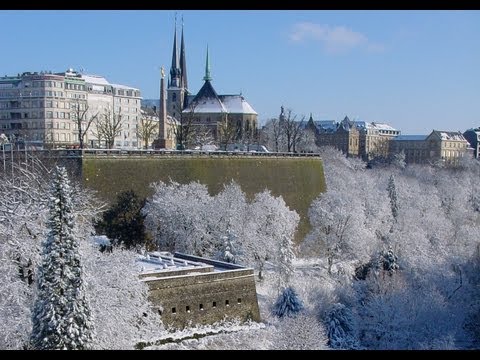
x=335, y=39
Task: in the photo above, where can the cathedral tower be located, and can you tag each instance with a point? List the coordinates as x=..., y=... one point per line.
x=177, y=84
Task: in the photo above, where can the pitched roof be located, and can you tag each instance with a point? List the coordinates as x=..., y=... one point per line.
x=236, y=104
x=449, y=135
x=206, y=101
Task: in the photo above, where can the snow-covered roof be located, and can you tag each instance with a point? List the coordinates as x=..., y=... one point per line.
x=236, y=104
x=118, y=86
x=450, y=135
x=95, y=79
x=410, y=138
x=207, y=105
x=207, y=101
x=374, y=125
x=382, y=126
x=162, y=264
x=328, y=125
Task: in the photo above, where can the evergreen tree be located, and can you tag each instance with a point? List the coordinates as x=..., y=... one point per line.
x=288, y=303
x=123, y=222
x=341, y=327
x=230, y=251
x=285, y=260
x=61, y=317
x=388, y=261
x=392, y=194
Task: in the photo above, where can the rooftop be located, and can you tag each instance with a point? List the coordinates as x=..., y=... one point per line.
x=411, y=138
x=164, y=264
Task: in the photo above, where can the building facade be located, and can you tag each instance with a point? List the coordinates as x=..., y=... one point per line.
x=367, y=140
x=188, y=290
x=42, y=108
x=375, y=139
x=447, y=147
x=343, y=136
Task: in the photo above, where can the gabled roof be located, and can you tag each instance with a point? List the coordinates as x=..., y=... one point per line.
x=236, y=104
x=206, y=101
x=325, y=125
x=448, y=135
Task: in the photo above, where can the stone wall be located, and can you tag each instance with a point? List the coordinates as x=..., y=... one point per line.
x=205, y=298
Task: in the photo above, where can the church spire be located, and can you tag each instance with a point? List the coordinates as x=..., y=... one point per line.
x=183, y=63
x=207, y=76
x=175, y=71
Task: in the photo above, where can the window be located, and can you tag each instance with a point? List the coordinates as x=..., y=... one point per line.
x=174, y=310
x=214, y=304
x=174, y=97
x=201, y=307
x=239, y=301
x=187, y=309
x=227, y=303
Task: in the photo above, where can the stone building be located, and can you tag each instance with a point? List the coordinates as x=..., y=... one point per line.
x=368, y=140
x=375, y=139
x=40, y=108
x=189, y=290
x=447, y=147
x=206, y=109
x=343, y=136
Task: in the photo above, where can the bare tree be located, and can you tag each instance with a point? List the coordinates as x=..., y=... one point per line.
x=227, y=132
x=273, y=133
x=307, y=141
x=202, y=135
x=292, y=130
x=82, y=120
x=109, y=126
x=147, y=129
x=249, y=135
x=183, y=128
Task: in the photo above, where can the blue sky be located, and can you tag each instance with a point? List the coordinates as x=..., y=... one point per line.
x=416, y=70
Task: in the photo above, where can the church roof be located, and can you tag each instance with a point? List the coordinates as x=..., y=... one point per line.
x=206, y=101
x=236, y=104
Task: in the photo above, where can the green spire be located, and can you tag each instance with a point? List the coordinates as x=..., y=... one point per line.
x=207, y=76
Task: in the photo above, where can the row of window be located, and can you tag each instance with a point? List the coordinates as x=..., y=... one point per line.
x=34, y=93
x=39, y=104
x=200, y=306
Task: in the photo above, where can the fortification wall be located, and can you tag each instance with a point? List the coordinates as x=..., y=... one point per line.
x=205, y=298
x=298, y=180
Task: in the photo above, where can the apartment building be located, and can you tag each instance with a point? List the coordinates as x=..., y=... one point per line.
x=42, y=108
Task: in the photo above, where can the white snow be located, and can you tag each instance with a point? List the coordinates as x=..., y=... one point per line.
x=236, y=104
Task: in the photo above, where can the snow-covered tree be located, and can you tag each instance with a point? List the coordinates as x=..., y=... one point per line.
x=285, y=258
x=388, y=261
x=274, y=227
x=398, y=160
x=392, y=195
x=176, y=216
x=341, y=327
x=62, y=317
x=301, y=332
x=119, y=301
x=230, y=252
x=288, y=303
x=186, y=218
